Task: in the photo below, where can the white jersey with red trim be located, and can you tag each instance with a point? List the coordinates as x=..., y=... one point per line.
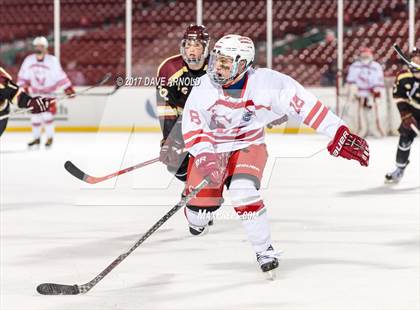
x=367, y=77
x=42, y=77
x=213, y=121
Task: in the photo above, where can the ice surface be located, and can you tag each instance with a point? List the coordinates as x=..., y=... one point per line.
x=349, y=241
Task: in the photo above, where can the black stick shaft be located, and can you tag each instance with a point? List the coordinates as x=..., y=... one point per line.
x=62, y=289
x=86, y=287
x=401, y=54
x=412, y=65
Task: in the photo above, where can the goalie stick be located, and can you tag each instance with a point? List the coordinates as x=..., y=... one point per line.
x=64, y=289
x=76, y=172
x=410, y=64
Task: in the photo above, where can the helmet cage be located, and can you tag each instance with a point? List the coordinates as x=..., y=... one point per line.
x=199, y=60
x=211, y=70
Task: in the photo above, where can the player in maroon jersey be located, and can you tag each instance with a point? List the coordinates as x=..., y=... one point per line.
x=177, y=75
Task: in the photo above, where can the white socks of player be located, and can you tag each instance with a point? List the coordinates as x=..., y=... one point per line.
x=38, y=120
x=250, y=207
x=49, y=124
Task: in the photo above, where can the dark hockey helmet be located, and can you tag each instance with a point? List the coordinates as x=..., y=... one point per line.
x=195, y=33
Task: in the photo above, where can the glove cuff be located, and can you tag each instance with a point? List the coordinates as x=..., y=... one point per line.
x=23, y=100
x=336, y=145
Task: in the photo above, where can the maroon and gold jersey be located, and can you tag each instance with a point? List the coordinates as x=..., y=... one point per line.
x=406, y=92
x=9, y=91
x=175, y=83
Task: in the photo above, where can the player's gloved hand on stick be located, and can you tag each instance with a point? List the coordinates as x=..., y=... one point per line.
x=408, y=119
x=70, y=92
x=39, y=104
x=208, y=165
x=350, y=146
x=170, y=151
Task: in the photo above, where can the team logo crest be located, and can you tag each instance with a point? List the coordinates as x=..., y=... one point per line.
x=246, y=117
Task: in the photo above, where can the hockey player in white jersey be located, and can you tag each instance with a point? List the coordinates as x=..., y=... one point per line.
x=365, y=81
x=41, y=74
x=223, y=129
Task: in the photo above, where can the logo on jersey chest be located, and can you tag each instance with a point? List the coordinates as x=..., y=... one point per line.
x=40, y=76
x=246, y=117
x=226, y=113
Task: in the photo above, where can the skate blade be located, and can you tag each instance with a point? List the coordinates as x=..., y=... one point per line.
x=271, y=275
x=34, y=148
x=391, y=182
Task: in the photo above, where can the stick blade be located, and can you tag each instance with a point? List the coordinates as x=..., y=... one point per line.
x=76, y=172
x=57, y=289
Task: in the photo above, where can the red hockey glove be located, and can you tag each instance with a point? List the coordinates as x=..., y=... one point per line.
x=69, y=91
x=208, y=165
x=350, y=146
x=39, y=104
x=170, y=152
x=408, y=119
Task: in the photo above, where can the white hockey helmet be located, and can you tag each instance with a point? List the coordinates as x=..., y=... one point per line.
x=40, y=41
x=238, y=48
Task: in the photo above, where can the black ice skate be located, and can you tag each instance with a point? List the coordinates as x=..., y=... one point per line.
x=49, y=143
x=34, y=143
x=268, y=261
x=198, y=230
x=395, y=176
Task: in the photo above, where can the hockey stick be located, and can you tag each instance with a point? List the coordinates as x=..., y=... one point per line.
x=65, y=96
x=410, y=64
x=103, y=94
x=415, y=129
x=83, y=92
x=64, y=289
x=76, y=172
x=20, y=111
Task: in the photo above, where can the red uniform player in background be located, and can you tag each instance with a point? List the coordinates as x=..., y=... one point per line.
x=41, y=74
